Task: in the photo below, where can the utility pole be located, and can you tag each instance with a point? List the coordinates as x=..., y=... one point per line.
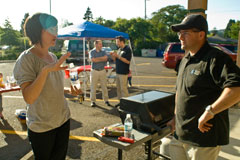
x=50, y=1
x=238, y=52
x=145, y=9
x=145, y=5
x=197, y=7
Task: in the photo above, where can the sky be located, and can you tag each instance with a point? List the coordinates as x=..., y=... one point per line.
x=219, y=12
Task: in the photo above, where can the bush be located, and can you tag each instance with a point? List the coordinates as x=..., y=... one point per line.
x=58, y=54
x=12, y=53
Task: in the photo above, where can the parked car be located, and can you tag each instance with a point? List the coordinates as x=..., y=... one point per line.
x=173, y=54
x=76, y=49
x=108, y=50
x=224, y=49
x=231, y=47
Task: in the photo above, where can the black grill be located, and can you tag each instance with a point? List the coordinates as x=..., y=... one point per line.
x=149, y=111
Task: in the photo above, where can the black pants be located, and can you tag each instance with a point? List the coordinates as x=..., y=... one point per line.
x=50, y=145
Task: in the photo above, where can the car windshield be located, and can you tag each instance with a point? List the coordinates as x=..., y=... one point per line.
x=177, y=48
x=107, y=49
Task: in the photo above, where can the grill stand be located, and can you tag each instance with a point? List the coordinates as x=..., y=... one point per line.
x=140, y=138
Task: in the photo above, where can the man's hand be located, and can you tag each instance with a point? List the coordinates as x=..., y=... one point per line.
x=203, y=126
x=114, y=54
x=172, y=124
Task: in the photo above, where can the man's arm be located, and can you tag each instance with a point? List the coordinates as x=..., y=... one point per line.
x=172, y=122
x=123, y=59
x=228, y=98
x=99, y=59
x=116, y=56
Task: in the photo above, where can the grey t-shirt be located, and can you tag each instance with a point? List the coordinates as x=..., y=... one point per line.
x=50, y=110
x=95, y=54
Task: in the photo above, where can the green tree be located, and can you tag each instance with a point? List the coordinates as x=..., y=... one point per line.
x=228, y=28
x=122, y=25
x=100, y=20
x=164, y=18
x=234, y=30
x=214, y=31
x=88, y=15
x=26, y=15
x=140, y=33
x=9, y=36
x=1, y=32
x=109, y=23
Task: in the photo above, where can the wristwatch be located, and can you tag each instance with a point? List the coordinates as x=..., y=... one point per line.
x=209, y=109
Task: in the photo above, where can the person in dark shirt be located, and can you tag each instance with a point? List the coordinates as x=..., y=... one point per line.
x=122, y=59
x=208, y=84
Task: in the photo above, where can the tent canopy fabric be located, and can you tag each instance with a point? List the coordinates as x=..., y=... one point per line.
x=89, y=30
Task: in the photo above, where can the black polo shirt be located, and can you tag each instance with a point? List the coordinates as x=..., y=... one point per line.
x=121, y=67
x=201, y=80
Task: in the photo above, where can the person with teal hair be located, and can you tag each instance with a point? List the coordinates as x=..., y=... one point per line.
x=39, y=74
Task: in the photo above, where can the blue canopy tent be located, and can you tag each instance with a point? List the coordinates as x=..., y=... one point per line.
x=89, y=31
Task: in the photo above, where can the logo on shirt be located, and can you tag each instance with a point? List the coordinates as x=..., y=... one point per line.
x=120, y=53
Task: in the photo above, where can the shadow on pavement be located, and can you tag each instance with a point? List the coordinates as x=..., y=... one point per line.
x=231, y=148
x=221, y=158
x=16, y=147
x=74, y=146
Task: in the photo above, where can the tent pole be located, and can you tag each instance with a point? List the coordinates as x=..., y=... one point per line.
x=84, y=71
x=134, y=66
x=88, y=49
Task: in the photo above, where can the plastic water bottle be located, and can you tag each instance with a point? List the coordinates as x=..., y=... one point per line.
x=74, y=76
x=128, y=125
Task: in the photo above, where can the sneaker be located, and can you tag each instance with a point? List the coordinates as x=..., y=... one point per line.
x=93, y=104
x=117, y=105
x=108, y=104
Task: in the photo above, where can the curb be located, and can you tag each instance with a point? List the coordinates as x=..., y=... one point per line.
x=7, y=61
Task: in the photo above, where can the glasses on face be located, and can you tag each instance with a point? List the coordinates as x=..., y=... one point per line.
x=186, y=33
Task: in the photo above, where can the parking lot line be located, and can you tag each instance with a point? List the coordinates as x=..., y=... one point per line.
x=73, y=137
x=82, y=138
x=22, y=133
x=155, y=77
x=147, y=85
x=143, y=64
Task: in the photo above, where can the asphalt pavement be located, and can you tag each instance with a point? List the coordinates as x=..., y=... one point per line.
x=148, y=74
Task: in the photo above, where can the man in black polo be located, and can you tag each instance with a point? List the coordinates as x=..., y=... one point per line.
x=208, y=84
x=123, y=59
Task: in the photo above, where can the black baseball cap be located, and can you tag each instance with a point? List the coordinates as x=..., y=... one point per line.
x=192, y=21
